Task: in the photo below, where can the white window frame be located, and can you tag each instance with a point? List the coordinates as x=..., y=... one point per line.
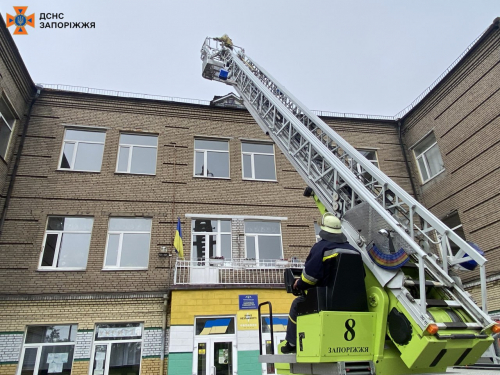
x=252, y=161
x=207, y=235
x=12, y=112
x=109, y=342
x=235, y=322
x=120, y=243
x=75, y=150
x=375, y=161
x=205, y=158
x=210, y=340
x=420, y=156
x=258, y=259
x=39, y=347
x=10, y=135
x=58, y=245
x=131, y=151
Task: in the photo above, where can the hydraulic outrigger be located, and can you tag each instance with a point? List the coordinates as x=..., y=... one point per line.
x=418, y=317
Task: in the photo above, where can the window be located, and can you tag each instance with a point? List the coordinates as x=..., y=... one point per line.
x=263, y=240
x=454, y=223
x=117, y=349
x=48, y=349
x=211, y=158
x=428, y=158
x=137, y=154
x=211, y=238
x=128, y=243
x=82, y=150
x=280, y=323
x=7, y=121
x=214, y=326
x=66, y=243
x=371, y=156
x=258, y=161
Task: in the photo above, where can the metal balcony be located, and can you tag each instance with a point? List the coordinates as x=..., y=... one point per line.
x=232, y=271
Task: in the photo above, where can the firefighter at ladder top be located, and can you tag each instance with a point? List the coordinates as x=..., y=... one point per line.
x=319, y=264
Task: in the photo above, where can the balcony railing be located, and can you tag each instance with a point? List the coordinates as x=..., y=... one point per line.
x=232, y=271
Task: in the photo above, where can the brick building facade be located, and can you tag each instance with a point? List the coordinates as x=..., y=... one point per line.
x=102, y=172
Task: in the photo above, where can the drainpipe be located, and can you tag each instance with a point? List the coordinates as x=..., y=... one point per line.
x=18, y=159
x=414, y=189
x=163, y=333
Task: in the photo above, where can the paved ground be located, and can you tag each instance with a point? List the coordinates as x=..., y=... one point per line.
x=469, y=371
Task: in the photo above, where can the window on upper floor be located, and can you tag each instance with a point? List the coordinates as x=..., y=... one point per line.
x=454, y=223
x=210, y=238
x=48, y=349
x=258, y=161
x=137, y=154
x=428, y=158
x=128, y=243
x=211, y=158
x=7, y=121
x=263, y=240
x=82, y=150
x=371, y=156
x=66, y=243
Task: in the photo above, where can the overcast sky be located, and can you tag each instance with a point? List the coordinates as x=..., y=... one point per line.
x=357, y=56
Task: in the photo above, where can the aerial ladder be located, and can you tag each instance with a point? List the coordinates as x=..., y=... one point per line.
x=420, y=318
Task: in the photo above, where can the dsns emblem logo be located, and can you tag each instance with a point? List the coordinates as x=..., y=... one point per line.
x=20, y=20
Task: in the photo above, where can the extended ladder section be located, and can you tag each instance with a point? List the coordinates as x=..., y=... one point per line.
x=343, y=179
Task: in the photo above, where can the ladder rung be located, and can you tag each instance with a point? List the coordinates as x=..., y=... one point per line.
x=410, y=265
x=440, y=303
x=459, y=325
x=427, y=283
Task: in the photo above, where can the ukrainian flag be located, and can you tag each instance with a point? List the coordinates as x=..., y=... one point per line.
x=178, y=240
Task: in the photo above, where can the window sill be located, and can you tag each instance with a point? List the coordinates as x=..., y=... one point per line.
x=212, y=178
x=75, y=171
x=125, y=269
x=135, y=174
x=433, y=177
x=61, y=269
x=257, y=180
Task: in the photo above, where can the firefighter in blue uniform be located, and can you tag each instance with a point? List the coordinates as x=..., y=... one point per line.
x=316, y=269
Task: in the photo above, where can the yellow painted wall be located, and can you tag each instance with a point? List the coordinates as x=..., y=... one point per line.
x=186, y=304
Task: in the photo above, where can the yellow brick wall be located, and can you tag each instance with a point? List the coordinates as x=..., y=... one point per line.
x=151, y=366
x=8, y=369
x=80, y=368
x=185, y=305
x=15, y=315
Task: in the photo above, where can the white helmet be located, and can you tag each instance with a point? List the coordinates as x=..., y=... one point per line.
x=331, y=223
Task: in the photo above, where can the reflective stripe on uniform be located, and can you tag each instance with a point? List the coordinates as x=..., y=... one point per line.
x=329, y=255
x=308, y=279
x=293, y=321
x=334, y=252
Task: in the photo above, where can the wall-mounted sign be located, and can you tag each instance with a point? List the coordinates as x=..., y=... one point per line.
x=248, y=320
x=249, y=302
